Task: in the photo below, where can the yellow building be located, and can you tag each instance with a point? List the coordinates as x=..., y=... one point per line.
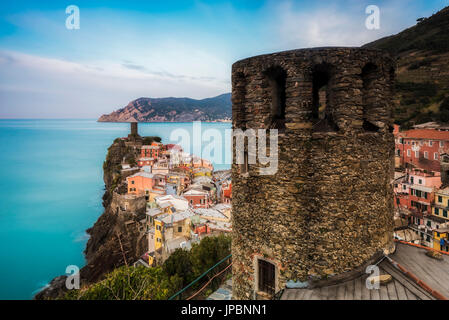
x=171, y=226
x=158, y=233
x=440, y=208
x=440, y=239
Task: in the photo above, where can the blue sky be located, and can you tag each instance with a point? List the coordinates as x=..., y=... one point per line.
x=129, y=49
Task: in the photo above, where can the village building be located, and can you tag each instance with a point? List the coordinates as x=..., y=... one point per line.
x=224, y=208
x=140, y=183
x=197, y=162
x=415, y=189
x=171, y=189
x=177, y=202
x=160, y=179
x=151, y=151
x=441, y=204
x=179, y=178
x=226, y=192
x=155, y=193
x=198, y=198
x=212, y=214
x=172, y=228
x=421, y=148
x=174, y=153
x=145, y=162
x=161, y=167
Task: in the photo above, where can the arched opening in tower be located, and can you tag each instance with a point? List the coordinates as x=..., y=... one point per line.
x=238, y=100
x=277, y=78
x=370, y=74
x=322, y=98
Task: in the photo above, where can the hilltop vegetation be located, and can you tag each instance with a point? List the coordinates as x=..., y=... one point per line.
x=422, y=83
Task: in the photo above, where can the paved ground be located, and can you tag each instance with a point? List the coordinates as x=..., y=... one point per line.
x=222, y=293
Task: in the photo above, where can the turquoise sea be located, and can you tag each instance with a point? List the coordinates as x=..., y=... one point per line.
x=51, y=184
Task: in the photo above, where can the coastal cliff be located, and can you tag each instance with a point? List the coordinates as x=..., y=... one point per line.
x=117, y=237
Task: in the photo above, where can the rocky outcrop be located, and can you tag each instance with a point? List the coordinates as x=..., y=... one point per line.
x=54, y=289
x=173, y=110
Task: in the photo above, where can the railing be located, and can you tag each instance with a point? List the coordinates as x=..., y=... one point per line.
x=201, y=276
x=278, y=295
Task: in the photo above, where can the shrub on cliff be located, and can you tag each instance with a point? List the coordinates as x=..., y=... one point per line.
x=130, y=283
x=208, y=252
x=150, y=140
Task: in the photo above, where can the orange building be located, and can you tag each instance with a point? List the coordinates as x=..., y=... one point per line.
x=141, y=183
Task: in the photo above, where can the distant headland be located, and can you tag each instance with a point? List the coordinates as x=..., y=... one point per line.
x=216, y=109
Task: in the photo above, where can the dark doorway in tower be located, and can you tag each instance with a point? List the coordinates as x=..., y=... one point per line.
x=322, y=99
x=277, y=78
x=266, y=277
x=370, y=73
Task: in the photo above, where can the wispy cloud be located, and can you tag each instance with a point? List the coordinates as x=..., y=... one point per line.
x=332, y=24
x=33, y=86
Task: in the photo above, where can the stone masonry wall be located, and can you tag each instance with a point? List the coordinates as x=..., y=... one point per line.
x=329, y=207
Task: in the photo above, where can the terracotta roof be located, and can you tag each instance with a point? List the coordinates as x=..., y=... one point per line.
x=425, y=134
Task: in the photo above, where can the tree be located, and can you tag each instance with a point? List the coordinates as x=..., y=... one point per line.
x=179, y=264
x=208, y=252
x=149, y=140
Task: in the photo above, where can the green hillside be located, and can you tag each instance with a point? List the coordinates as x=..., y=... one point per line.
x=422, y=86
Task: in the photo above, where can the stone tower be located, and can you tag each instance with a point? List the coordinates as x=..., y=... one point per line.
x=134, y=130
x=328, y=211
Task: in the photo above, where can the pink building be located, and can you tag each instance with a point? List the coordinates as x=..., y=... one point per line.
x=421, y=148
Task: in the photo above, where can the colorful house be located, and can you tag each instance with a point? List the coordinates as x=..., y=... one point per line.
x=140, y=183
x=198, y=198
x=421, y=187
x=158, y=232
x=177, y=202
x=151, y=151
x=421, y=148
x=161, y=167
x=172, y=226
x=440, y=207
